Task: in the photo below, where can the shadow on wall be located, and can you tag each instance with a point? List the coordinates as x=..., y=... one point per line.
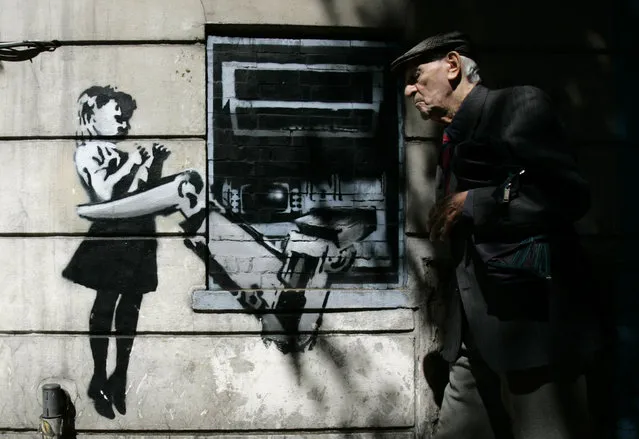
x=339, y=361
x=567, y=49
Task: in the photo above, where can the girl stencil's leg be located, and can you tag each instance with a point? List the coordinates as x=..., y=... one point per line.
x=126, y=321
x=100, y=322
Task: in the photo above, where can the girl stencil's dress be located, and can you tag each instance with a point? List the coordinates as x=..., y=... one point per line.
x=122, y=265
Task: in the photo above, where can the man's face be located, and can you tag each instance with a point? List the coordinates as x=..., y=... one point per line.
x=429, y=87
x=107, y=120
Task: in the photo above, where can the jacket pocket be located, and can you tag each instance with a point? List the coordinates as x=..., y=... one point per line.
x=529, y=258
x=515, y=278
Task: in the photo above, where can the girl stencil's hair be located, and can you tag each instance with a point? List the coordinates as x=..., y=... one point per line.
x=96, y=97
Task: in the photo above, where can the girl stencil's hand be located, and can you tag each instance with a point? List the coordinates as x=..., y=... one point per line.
x=141, y=157
x=160, y=152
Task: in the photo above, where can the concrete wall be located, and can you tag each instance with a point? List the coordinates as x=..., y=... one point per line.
x=200, y=362
x=195, y=364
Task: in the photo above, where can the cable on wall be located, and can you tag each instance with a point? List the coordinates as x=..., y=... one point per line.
x=25, y=50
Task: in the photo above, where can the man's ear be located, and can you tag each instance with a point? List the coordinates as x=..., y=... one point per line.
x=453, y=59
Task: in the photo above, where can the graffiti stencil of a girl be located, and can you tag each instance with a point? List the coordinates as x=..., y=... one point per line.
x=118, y=259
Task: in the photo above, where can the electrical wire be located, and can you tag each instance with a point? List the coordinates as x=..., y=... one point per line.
x=25, y=50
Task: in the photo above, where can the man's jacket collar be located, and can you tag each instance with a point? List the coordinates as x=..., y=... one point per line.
x=468, y=114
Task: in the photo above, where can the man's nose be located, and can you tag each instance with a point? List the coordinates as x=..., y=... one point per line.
x=409, y=90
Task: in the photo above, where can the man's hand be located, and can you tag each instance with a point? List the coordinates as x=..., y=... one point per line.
x=445, y=214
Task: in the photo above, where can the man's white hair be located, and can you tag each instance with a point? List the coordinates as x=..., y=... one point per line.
x=470, y=69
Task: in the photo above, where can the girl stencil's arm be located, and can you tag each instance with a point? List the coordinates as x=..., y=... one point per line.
x=128, y=176
x=160, y=154
x=102, y=167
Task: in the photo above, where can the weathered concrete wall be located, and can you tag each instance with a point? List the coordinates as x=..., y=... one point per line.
x=223, y=383
x=370, y=435
x=102, y=20
x=177, y=72
x=215, y=371
x=218, y=372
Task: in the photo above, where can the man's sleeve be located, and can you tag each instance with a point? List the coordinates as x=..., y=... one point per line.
x=551, y=189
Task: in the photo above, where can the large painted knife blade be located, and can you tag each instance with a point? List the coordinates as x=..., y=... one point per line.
x=170, y=194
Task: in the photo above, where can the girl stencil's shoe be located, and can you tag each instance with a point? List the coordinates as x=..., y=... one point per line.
x=98, y=391
x=117, y=385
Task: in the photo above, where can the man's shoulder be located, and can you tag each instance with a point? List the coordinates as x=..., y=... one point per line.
x=519, y=99
x=518, y=92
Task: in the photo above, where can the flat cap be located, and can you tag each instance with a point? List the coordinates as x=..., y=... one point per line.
x=433, y=48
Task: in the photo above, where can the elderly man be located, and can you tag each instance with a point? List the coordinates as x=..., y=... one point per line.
x=521, y=324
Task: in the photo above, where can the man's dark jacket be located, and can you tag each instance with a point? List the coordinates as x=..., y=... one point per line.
x=522, y=275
